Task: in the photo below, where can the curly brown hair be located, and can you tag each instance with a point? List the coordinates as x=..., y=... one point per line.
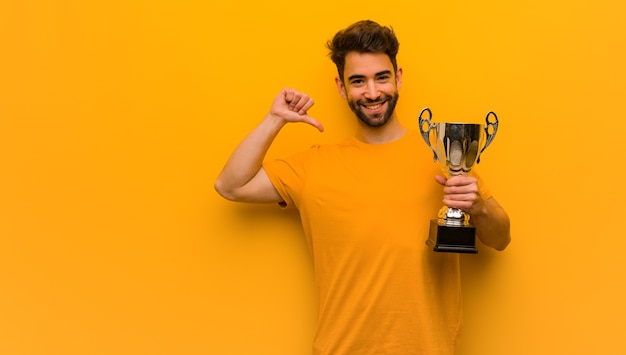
x=363, y=37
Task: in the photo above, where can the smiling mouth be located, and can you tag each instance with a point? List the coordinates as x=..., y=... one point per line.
x=373, y=107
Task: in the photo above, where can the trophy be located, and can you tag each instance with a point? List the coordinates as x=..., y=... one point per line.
x=457, y=148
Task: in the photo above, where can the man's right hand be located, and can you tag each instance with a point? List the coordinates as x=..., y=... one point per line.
x=292, y=106
x=243, y=178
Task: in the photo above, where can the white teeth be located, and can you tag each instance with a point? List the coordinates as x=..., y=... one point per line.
x=373, y=107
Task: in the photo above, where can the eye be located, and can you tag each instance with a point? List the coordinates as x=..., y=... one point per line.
x=357, y=82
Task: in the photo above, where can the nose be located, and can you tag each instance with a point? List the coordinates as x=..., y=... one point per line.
x=372, y=92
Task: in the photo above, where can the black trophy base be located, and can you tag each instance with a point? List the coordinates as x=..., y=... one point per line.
x=452, y=239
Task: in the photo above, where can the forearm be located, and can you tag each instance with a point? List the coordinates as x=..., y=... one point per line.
x=492, y=225
x=247, y=159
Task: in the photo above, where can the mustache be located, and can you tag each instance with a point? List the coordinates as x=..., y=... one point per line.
x=379, y=100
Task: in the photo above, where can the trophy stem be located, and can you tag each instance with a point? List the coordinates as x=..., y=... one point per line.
x=453, y=216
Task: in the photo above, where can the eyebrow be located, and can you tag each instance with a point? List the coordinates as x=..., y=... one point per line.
x=361, y=76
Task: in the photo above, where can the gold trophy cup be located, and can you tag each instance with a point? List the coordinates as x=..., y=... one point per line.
x=457, y=148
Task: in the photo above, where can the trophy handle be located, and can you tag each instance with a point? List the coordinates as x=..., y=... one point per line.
x=490, y=136
x=426, y=133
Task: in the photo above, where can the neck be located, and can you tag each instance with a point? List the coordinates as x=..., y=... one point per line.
x=390, y=132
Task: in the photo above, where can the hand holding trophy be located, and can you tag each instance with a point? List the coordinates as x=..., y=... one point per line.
x=457, y=148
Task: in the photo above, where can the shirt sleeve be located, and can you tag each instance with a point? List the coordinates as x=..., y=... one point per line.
x=288, y=175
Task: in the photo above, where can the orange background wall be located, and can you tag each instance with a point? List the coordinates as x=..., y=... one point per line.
x=116, y=117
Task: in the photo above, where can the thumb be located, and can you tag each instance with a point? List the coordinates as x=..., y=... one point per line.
x=303, y=117
x=441, y=180
x=313, y=122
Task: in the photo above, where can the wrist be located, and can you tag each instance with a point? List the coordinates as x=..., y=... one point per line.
x=274, y=121
x=480, y=212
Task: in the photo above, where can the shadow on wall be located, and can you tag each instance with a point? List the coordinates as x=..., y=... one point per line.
x=264, y=213
x=480, y=264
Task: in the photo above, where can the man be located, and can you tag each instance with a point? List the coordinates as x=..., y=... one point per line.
x=365, y=206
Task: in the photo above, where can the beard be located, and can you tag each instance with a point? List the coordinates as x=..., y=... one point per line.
x=377, y=119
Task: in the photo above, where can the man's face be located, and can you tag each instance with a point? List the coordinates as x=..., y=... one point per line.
x=370, y=86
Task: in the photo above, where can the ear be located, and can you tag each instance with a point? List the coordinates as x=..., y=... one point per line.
x=399, y=78
x=341, y=88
